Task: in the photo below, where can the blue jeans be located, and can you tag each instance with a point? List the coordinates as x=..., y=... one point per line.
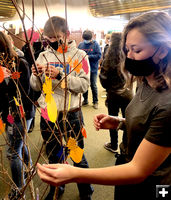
x=17, y=152
x=93, y=85
x=73, y=125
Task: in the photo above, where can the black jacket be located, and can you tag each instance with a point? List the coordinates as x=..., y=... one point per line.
x=8, y=91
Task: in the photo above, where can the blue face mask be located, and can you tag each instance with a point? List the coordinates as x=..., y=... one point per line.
x=87, y=41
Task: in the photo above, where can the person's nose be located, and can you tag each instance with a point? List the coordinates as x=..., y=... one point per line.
x=130, y=54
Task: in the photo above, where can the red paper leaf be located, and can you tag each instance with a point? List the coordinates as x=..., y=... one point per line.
x=15, y=75
x=83, y=131
x=10, y=119
x=21, y=111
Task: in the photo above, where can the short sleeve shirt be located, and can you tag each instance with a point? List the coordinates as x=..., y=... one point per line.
x=148, y=116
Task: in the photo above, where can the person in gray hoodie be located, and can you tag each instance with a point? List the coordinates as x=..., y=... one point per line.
x=68, y=68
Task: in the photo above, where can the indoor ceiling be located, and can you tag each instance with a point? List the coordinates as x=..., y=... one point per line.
x=96, y=8
x=101, y=8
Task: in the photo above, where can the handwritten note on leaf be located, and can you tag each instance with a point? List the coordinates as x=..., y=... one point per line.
x=76, y=153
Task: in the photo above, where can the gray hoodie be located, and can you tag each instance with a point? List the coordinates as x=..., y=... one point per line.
x=77, y=81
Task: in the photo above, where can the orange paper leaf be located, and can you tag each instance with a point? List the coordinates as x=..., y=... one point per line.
x=15, y=75
x=77, y=67
x=1, y=75
x=2, y=126
x=62, y=48
x=76, y=153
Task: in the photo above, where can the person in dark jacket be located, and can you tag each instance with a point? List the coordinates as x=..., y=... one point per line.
x=113, y=81
x=15, y=111
x=92, y=48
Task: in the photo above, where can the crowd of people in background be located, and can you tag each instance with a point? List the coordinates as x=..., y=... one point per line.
x=141, y=54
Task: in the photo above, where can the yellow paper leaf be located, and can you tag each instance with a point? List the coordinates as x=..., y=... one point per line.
x=16, y=102
x=63, y=84
x=69, y=102
x=52, y=110
x=69, y=60
x=76, y=153
x=47, y=89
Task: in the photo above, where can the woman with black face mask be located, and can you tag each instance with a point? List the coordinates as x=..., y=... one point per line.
x=143, y=168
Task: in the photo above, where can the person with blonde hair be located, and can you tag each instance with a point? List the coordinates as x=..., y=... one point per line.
x=144, y=165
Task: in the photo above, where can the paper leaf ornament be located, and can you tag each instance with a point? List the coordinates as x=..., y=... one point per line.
x=77, y=67
x=69, y=102
x=76, y=153
x=52, y=110
x=85, y=66
x=44, y=114
x=63, y=84
x=10, y=119
x=60, y=154
x=62, y=48
x=47, y=89
x=21, y=111
x=1, y=75
x=15, y=75
x=2, y=127
x=83, y=131
x=16, y=102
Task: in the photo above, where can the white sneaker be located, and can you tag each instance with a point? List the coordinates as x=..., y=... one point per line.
x=95, y=105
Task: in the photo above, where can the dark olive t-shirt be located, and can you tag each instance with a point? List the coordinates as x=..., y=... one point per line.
x=149, y=116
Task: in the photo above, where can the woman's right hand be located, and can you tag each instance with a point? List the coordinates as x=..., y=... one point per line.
x=103, y=121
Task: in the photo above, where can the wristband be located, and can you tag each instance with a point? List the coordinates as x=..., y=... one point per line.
x=58, y=77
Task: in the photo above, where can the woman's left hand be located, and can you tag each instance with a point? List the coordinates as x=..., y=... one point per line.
x=7, y=72
x=56, y=174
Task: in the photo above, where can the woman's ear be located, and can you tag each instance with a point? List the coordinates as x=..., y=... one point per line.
x=163, y=51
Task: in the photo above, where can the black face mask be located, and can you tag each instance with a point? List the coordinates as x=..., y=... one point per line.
x=141, y=67
x=54, y=45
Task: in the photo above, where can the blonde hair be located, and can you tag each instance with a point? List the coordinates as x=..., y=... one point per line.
x=156, y=27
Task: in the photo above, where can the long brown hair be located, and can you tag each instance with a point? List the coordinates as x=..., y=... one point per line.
x=156, y=27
